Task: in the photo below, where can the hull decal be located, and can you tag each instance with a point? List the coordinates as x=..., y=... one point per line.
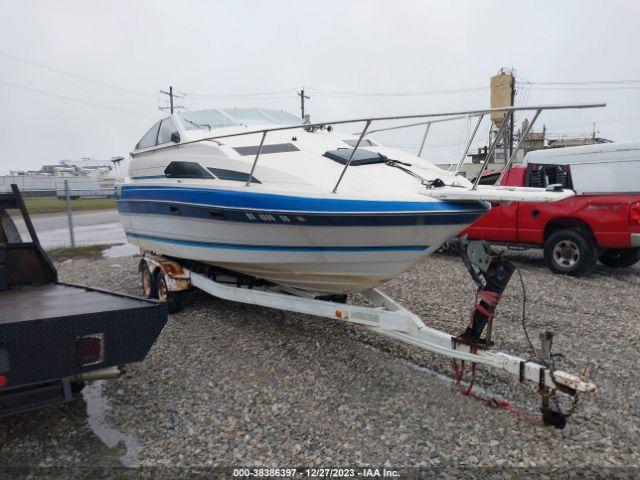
x=173, y=209
x=284, y=248
x=246, y=200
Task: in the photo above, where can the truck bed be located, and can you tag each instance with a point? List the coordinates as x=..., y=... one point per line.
x=58, y=300
x=40, y=328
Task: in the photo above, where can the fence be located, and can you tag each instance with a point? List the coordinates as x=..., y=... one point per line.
x=51, y=186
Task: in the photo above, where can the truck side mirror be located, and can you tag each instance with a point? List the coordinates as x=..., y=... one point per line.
x=175, y=137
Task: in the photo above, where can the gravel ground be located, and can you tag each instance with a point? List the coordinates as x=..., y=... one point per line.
x=230, y=384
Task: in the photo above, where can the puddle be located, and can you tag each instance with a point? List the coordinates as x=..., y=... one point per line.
x=98, y=407
x=124, y=250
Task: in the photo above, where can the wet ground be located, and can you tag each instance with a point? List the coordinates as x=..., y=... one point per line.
x=100, y=227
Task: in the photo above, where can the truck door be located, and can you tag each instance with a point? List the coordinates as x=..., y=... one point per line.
x=509, y=212
x=487, y=227
x=531, y=217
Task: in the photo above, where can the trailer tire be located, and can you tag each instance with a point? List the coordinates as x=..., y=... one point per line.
x=569, y=252
x=148, y=282
x=164, y=295
x=620, y=257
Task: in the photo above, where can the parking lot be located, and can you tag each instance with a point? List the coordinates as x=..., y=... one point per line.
x=231, y=384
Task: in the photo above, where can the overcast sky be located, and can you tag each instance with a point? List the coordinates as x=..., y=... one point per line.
x=244, y=47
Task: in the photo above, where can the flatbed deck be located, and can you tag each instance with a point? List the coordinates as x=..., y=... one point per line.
x=55, y=336
x=59, y=300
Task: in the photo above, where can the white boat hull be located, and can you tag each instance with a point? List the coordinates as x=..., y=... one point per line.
x=331, y=259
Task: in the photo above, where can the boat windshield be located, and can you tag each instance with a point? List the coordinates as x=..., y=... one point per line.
x=226, y=117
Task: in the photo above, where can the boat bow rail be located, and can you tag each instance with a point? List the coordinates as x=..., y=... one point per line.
x=428, y=120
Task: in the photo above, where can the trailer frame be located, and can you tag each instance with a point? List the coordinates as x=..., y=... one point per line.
x=386, y=317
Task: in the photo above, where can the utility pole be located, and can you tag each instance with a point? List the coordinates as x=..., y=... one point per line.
x=513, y=98
x=302, y=98
x=171, y=96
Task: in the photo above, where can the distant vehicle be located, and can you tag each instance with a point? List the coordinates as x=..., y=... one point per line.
x=55, y=336
x=602, y=222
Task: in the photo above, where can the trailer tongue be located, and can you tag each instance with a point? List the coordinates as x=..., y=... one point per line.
x=168, y=278
x=53, y=335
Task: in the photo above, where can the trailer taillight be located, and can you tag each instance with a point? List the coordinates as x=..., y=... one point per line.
x=3, y=381
x=634, y=214
x=90, y=349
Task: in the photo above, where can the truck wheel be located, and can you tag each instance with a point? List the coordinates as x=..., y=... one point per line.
x=620, y=257
x=569, y=252
x=148, y=285
x=164, y=295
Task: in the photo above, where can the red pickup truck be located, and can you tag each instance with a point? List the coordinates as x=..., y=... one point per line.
x=601, y=222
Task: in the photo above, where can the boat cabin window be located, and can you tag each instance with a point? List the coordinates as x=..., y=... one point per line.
x=226, y=117
x=186, y=170
x=204, y=120
x=284, y=118
x=149, y=139
x=167, y=127
x=543, y=175
x=361, y=157
x=248, y=116
x=273, y=148
x=364, y=143
x=234, y=175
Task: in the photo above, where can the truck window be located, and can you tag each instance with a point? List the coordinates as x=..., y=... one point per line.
x=543, y=175
x=489, y=179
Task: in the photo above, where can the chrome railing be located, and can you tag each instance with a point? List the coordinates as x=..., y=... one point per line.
x=432, y=118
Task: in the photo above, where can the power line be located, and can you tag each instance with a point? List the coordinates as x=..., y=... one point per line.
x=630, y=87
x=338, y=93
x=74, y=75
x=72, y=99
x=233, y=95
x=242, y=99
x=331, y=93
x=628, y=119
x=583, y=82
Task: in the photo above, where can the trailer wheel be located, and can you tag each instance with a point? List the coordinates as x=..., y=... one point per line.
x=620, y=257
x=164, y=295
x=148, y=285
x=569, y=252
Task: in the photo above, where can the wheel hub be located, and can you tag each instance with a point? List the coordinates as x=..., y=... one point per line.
x=566, y=253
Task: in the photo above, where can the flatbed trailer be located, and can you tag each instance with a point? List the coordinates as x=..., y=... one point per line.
x=55, y=336
x=169, y=278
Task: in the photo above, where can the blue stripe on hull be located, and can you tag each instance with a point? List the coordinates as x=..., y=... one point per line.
x=231, y=246
x=287, y=203
x=175, y=209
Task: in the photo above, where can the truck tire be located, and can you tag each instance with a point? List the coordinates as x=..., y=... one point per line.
x=620, y=257
x=164, y=295
x=569, y=252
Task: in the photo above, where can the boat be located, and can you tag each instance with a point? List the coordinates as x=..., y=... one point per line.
x=301, y=205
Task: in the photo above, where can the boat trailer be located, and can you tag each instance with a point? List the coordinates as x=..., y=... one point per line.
x=168, y=279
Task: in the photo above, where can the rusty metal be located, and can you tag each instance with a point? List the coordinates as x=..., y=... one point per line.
x=176, y=278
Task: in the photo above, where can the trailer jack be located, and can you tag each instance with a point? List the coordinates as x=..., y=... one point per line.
x=491, y=273
x=484, y=264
